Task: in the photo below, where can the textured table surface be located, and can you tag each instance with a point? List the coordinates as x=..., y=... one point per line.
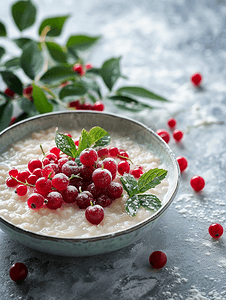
x=162, y=43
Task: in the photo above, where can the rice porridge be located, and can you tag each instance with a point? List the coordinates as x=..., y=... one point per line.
x=69, y=221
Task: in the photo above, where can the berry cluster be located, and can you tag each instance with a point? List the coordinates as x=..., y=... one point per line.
x=97, y=106
x=80, y=69
x=58, y=179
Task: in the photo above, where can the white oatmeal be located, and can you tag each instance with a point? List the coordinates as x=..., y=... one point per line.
x=69, y=221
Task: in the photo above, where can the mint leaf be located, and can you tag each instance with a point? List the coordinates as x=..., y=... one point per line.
x=132, y=205
x=129, y=184
x=104, y=141
x=24, y=14
x=66, y=144
x=150, y=179
x=83, y=141
x=95, y=134
x=149, y=201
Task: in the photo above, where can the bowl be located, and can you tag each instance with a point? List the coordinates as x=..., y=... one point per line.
x=113, y=124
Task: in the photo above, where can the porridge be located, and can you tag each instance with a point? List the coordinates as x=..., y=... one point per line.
x=69, y=220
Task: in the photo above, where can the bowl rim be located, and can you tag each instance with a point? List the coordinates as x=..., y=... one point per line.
x=108, y=235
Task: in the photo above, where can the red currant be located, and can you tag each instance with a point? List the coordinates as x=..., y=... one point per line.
x=28, y=90
x=48, y=171
x=75, y=104
x=88, y=66
x=86, y=172
x=34, y=164
x=37, y=172
x=113, y=151
x=137, y=172
x=60, y=181
x=123, y=167
x=52, y=158
x=54, y=200
x=10, y=182
x=177, y=135
x=172, y=123
x=69, y=168
x=61, y=162
x=70, y=194
x=68, y=134
x=196, y=79
x=77, y=142
x=111, y=165
x=182, y=162
x=114, y=190
x=101, y=178
x=18, y=272
x=9, y=92
x=164, y=135
x=158, y=259
x=35, y=201
x=123, y=155
x=104, y=200
x=98, y=106
x=21, y=190
x=55, y=151
x=102, y=152
x=197, y=183
x=32, y=179
x=43, y=185
x=94, y=214
x=23, y=175
x=78, y=68
x=216, y=230
x=84, y=199
x=13, y=172
x=96, y=192
x=88, y=157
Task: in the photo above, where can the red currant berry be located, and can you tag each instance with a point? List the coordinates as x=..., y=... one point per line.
x=172, y=123
x=32, y=179
x=96, y=192
x=77, y=142
x=48, y=171
x=21, y=190
x=123, y=167
x=54, y=200
x=69, y=168
x=111, y=165
x=216, y=230
x=70, y=194
x=196, y=79
x=68, y=134
x=94, y=214
x=157, y=259
x=23, y=175
x=164, y=135
x=10, y=182
x=46, y=161
x=61, y=162
x=9, y=92
x=43, y=185
x=84, y=199
x=104, y=200
x=37, y=172
x=102, y=152
x=34, y=164
x=177, y=135
x=98, y=106
x=101, y=178
x=12, y=121
x=182, y=162
x=35, y=201
x=55, y=151
x=28, y=90
x=113, y=151
x=18, y=272
x=114, y=190
x=86, y=172
x=78, y=68
x=197, y=183
x=137, y=172
x=88, y=66
x=13, y=172
x=52, y=158
x=60, y=181
x=88, y=157
x=75, y=104
x=123, y=155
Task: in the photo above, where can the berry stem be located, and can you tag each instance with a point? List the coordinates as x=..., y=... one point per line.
x=75, y=176
x=24, y=183
x=127, y=158
x=42, y=151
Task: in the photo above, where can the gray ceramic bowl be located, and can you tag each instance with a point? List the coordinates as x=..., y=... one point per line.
x=113, y=124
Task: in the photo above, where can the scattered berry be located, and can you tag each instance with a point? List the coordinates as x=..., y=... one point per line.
x=21, y=190
x=101, y=178
x=197, y=183
x=182, y=162
x=157, y=259
x=196, y=79
x=18, y=272
x=123, y=167
x=177, y=135
x=94, y=214
x=164, y=135
x=172, y=123
x=60, y=181
x=216, y=230
x=54, y=200
x=35, y=201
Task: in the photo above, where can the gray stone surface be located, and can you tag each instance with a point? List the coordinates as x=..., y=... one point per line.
x=162, y=44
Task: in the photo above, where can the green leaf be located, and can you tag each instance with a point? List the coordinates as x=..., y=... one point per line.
x=2, y=30
x=140, y=92
x=128, y=103
x=83, y=141
x=65, y=144
x=94, y=71
x=150, y=179
x=13, y=63
x=150, y=202
x=55, y=24
x=81, y=42
x=40, y=100
x=129, y=184
x=91, y=85
x=24, y=14
x=95, y=134
x=21, y=42
x=110, y=71
x=32, y=60
x=75, y=89
x=6, y=112
x=12, y=81
x=27, y=106
x=104, y=141
x=2, y=52
x=56, y=52
x=132, y=205
x=57, y=74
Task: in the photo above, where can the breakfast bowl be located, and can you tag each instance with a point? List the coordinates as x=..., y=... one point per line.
x=38, y=229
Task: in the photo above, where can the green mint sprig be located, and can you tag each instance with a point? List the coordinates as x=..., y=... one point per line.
x=97, y=136
x=136, y=189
